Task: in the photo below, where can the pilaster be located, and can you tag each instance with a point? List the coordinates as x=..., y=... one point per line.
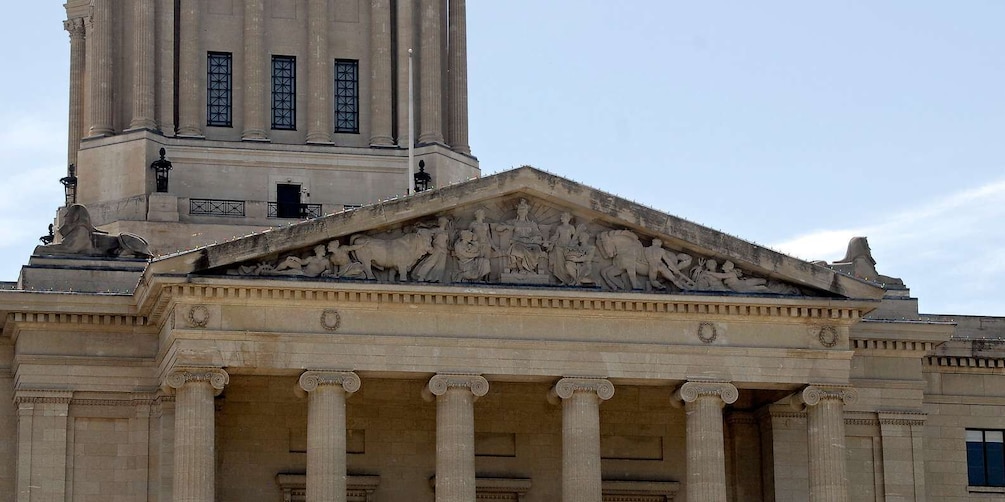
x=457, y=56
x=706, y=467
x=319, y=75
x=380, y=80
x=41, y=444
x=431, y=72
x=825, y=435
x=455, y=433
x=581, y=397
x=194, y=431
x=326, y=462
x=191, y=80
x=143, y=65
x=255, y=77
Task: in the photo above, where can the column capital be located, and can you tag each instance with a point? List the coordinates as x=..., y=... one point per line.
x=75, y=26
x=566, y=387
x=439, y=384
x=812, y=395
x=178, y=377
x=690, y=391
x=310, y=380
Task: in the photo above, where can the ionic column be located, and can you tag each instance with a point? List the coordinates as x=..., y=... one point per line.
x=457, y=70
x=191, y=74
x=825, y=439
x=194, y=434
x=706, y=458
x=100, y=68
x=430, y=76
x=405, y=36
x=380, y=79
x=320, y=78
x=78, y=57
x=143, y=65
x=254, y=72
x=581, y=397
x=326, y=465
x=455, y=434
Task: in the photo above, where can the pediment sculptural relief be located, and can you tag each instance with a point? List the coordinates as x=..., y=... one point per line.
x=515, y=243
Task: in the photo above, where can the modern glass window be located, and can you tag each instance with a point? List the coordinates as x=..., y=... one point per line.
x=346, y=95
x=219, y=89
x=985, y=458
x=284, y=92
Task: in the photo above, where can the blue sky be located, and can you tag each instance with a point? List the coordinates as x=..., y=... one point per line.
x=796, y=125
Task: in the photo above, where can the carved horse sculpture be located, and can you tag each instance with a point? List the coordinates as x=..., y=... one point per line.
x=624, y=248
x=397, y=255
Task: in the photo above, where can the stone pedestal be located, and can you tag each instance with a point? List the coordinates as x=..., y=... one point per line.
x=162, y=207
x=581, y=397
x=326, y=464
x=455, y=434
x=706, y=465
x=826, y=440
x=194, y=432
x=81, y=274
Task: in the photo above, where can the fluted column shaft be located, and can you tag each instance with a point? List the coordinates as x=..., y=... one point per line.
x=143, y=65
x=191, y=81
x=457, y=51
x=380, y=73
x=319, y=75
x=404, y=29
x=255, y=77
x=706, y=457
x=430, y=73
x=581, y=397
x=194, y=432
x=826, y=440
x=455, y=434
x=100, y=68
x=326, y=463
x=78, y=55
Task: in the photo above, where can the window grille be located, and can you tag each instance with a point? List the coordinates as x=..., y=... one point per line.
x=346, y=96
x=284, y=92
x=985, y=457
x=219, y=92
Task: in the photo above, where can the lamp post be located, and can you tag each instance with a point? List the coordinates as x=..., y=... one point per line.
x=70, y=184
x=161, y=168
x=423, y=181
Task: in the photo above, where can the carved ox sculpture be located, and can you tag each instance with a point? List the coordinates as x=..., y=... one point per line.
x=397, y=255
x=624, y=248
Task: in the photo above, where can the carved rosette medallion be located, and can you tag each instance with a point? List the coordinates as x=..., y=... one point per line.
x=828, y=336
x=567, y=387
x=216, y=377
x=707, y=332
x=331, y=319
x=691, y=391
x=812, y=395
x=198, y=316
x=312, y=379
x=439, y=384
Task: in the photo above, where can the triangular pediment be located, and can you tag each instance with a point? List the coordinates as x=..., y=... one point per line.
x=522, y=227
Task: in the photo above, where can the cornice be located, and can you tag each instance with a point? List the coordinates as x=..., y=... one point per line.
x=965, y=362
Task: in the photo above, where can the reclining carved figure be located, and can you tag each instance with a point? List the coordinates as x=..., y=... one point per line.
x=79, y=237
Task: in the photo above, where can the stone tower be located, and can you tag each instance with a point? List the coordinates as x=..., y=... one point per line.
x=268, y=110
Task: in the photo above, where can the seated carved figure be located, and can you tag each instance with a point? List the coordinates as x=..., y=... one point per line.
x=79, y=237
x=526, y=243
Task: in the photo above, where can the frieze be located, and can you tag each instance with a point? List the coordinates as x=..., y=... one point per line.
x=521, y=243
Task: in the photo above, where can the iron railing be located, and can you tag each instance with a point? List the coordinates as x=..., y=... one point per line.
x=216, y=207
x=301, y=211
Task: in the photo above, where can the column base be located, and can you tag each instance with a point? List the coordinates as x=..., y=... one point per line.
x=255, y=135
x=381, y=142
x=140, y=124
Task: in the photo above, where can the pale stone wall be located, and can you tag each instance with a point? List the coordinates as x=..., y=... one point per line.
x=8, y=424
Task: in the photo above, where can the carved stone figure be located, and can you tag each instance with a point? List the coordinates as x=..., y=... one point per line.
x=342, y=264
x=471, y=265
x=579, y=259
x=80, y=237
x=706, y=276
x=526, y=242
x=858, y=262
x=433, y=267
x=667, y=265
x=482, y=233
x=311, y=266
x=397, y=255
x=563, y=238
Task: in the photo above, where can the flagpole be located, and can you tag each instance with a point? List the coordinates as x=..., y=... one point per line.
x=410, y=183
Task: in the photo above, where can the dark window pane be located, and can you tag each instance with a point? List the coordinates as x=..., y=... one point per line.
x=975, y=464
x=346, y=96
x=994, y=458
x=284, y=92
x=219, y=89
x=288, y=200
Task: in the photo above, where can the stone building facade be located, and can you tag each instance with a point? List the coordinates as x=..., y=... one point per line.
x=513, y=337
